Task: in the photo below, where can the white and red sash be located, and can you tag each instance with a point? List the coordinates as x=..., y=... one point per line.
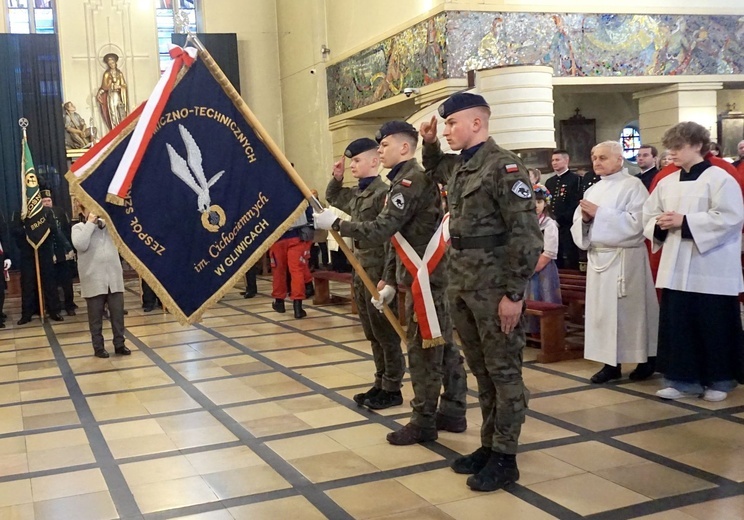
x=420, y=269
x=143, y=132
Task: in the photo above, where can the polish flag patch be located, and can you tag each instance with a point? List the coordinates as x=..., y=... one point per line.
x=511, y=168
x=406, y=183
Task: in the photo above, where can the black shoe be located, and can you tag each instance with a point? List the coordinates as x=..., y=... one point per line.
x=126, y=312
x=451, y=424
x=411, y=434
x=249, y=294
x=148, y=308
x=384, y=399
x=101, y=353
x=608, y=373
x=278, y=306
x=360, y=398
x=473, y=463
x=24, y=320
x=122, y=351
x=70, y=312
x=3, y=316
x=56, y=317
x=298, y=312
x=643, y=370
x=309, y=290
x=2, y=324
x=500, y=472
x=74, y=305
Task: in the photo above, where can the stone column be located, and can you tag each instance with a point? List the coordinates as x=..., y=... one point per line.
x=521, y=99
x=661, y=108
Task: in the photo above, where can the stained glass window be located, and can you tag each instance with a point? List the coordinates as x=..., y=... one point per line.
x=174, y=16
x=30, y=16
x=630, y=138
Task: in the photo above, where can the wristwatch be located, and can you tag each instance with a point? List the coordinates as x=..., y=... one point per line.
x=336, y=226
x=514, y=296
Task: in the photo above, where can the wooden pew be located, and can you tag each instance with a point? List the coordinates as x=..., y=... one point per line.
x=323, y=295
x=552, y=337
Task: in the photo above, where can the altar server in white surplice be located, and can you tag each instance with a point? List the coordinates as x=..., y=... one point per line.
x=695, y=216
x=622, y=312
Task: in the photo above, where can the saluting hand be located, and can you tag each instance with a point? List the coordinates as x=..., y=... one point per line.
x=509, y=314
x=428, y=130
x=338, y=168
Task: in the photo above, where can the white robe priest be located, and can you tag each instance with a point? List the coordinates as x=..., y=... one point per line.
x=621, y=307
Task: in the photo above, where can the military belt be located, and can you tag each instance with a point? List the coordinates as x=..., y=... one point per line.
x=482, y=242
x=358, y=244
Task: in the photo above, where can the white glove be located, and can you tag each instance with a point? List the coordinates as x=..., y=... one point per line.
x=387, y=294
x=7, y=264
x=324, y=219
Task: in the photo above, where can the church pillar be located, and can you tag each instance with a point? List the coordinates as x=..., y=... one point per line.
x=661, y=108
x=521, y=99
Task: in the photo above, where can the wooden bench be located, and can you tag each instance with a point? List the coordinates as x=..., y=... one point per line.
x=573, y=293
x=323, y=295
x=552, y=339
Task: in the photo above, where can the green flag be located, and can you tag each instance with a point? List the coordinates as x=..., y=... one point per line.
x=34, y=221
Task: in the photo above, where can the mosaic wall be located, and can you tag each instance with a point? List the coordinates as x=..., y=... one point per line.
x=412, y=58
x=450, y=43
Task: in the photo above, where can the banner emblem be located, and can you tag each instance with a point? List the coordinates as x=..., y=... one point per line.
x=213, y=216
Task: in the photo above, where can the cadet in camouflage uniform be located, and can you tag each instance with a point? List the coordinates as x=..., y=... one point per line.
x=495, y=244
x=413, y=209
x=364, y=203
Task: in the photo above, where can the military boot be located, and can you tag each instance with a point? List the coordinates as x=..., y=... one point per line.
x=360, y=398
x=278, y=305
x=298, y=311
x=500, y=472
x=411, y=434
x=473, y=463
x=451, y=424
x=384, y=399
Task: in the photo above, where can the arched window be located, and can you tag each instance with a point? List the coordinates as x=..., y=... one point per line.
x=630, y=138
x=30, y=16
x=174, y=16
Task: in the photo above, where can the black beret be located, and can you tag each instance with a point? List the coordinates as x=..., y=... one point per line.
x=461, y=101
x=359, y=146
x=46, y=194
x=395, y=127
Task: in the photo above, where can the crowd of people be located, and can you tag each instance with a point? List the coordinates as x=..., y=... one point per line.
x=676, y=227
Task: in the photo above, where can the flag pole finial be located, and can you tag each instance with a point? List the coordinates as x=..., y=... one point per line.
x=23, y=123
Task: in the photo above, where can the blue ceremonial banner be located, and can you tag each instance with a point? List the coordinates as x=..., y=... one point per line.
x=207, y=199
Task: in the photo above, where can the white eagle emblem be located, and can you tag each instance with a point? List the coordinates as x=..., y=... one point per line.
x=212, y=215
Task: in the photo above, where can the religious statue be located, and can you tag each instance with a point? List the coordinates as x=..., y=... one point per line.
x=112, y=96
x=77, y=134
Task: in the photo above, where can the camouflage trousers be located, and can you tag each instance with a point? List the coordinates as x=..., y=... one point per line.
x=434, y=367
x=390, y=365
x=495, y=359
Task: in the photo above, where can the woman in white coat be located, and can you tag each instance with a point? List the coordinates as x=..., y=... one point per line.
x=101, y=281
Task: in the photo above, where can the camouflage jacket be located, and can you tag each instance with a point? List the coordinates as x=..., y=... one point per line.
x=412, y=208
x=363, y=206
x=489, y=195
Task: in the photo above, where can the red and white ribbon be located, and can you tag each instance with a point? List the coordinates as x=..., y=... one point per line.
x=145, y=128
x=420, y=269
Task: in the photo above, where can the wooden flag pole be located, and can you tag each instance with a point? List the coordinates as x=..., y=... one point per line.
x=38, y=285
x=274, y=149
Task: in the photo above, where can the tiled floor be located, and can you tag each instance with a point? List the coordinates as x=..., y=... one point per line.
x=248, y=415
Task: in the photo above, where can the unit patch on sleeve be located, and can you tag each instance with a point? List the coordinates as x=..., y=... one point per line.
x=520, y=189
x=511, y=168
x=399, y=201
